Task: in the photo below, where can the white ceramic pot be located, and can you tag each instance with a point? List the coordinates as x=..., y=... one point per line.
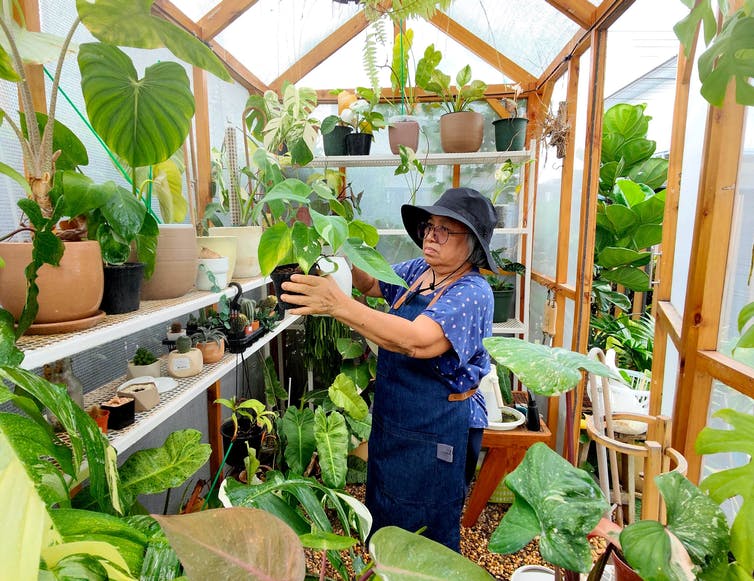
x=533, y=573
x=218, y=267
x=340, y=273
x=247, y=261
x=224, y=246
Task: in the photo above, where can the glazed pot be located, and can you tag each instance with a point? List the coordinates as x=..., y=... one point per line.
x=219, y=269
x=461, y=132
x=247, y=262
x=68, y=292
x=175, y=263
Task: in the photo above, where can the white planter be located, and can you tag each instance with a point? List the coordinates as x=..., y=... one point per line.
x=224, y=246
x=218, y=267
x=341, y=274
x=247, y=261
x=533, y=573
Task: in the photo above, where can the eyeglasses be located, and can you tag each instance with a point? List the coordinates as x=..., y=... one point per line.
x=439, y=233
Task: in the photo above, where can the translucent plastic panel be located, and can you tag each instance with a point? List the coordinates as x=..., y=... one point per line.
x=530, y=33
x=272, y=35
x=537, y=299
x=578, y=165
x=738, y=291
x=670, y=379
x=195, y=9
x=548, y=201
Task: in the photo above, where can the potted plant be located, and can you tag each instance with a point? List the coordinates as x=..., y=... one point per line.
x=403, y=127
x=461, y=129
x=504, y=287
x=507, y=213
x=334, y=129
x=284, y=124
x=36, y=133
x=186, y=360
x=295, y=244
x=249, y=422
x=211, y=342
x=510, y=132
x=363, y=118
x=143, y=363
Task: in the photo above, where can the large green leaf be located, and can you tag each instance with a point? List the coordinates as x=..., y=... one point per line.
x=123, y=212
x=636, y=150
x=632, y=191
x=35, y=47
x=629, y=276
x=334, y=229
x=611, y=257
x=651, y=210
x=653, y=172
x=343, y=393
x=621, y=218
x=168, y=185
x=157, y=469
x=132, y=24
x=82, y=195
x=15, y=176
x=566, y=502
x=363, y=231
x=370, y=261
x=732, y=482
x=298, y=429
x=331, y=435
x=235, y=543
x=542, y=369
x=143, y=120
x=626, y=120
x=647, y=235
x=7, y=71
x=274, y=247
x=403, y=556
x=647, y=548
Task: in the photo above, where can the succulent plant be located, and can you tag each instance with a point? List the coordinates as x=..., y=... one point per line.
x=183, y=344
x=144, y=356
x=208, y=334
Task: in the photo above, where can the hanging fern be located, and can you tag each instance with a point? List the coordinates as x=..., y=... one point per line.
x=404, y=9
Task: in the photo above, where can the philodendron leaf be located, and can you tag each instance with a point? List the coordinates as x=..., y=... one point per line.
x=333, y=229
x=306, y=245
x=7, y=71
x=274, y=246
x=544, y=370
x=168, y=185
x=348, y=348
x=566, y=502
x=235, y=543
x=344, y=394
x=331, y=435
x=403, y=556
x=157, y=469
x=327, y=541
x=144, y=120
x=370, y=261
x=738, y=481
x=298, y=428
x=655, y=554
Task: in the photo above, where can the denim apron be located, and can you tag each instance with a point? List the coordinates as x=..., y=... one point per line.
x=417, y=446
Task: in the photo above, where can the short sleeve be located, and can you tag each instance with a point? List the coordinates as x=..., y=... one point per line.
x=408, y=271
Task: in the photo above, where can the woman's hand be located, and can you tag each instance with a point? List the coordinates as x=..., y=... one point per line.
x=316, y=295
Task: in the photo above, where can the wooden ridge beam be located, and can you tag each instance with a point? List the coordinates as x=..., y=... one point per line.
x=169, y=11
x=580, y=11
x=337, y=39
x=222, y=16
x=485, y=51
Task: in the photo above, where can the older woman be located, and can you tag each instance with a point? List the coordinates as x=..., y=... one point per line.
x=427, y=417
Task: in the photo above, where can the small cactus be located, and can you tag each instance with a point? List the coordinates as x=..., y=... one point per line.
x=175, y=327
x=183, y=344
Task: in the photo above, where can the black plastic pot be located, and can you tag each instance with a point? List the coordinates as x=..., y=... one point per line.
x=122, y=287
x=335, y=141
x=280, y=275
x=247, y=432
x=504, y=306
x=358, y=143
x=510, y=133
x=120, y=416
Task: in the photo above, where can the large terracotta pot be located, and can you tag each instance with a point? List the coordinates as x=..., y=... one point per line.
x=247, y=261
x=461, y=132
x=222, y=245
x=175, y=263
x=68, y=292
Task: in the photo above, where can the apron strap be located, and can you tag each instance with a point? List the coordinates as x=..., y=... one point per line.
x=463, y=395
x=402, y=299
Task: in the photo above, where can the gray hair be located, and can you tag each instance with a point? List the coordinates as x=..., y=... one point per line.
x=477, y=256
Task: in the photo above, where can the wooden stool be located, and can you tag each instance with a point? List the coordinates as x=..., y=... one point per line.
x=505, y=450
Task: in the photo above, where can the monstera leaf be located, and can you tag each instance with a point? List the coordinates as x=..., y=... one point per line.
x=543, y=370
x=144, y=120
x=555, y=501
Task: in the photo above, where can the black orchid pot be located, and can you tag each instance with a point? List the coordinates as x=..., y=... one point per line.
x=358, y=143
x=247, y=432
x=122, y=290
x=280, y=275
x=335, y=141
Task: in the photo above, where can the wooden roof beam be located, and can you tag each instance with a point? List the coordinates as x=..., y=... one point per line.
x=334, y=41
x=580, y=11
x=222, y=16
x=486, y=52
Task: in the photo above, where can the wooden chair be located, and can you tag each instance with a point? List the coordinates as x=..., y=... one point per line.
x=618, y=454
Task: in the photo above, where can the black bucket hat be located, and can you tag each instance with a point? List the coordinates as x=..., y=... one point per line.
x=463, y=204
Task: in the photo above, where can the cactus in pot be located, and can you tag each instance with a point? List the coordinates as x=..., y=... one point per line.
x=186, y=360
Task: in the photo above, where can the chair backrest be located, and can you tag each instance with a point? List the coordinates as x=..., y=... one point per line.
x=618, y=452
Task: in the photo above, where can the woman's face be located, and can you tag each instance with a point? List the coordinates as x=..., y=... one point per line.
x=452, y=253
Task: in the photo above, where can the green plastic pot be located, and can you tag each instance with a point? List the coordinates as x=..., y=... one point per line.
x=510, y=133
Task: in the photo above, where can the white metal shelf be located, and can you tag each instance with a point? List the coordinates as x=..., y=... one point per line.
x=172, y=401
x=41, y=349
x=478, y=158
x=509, y=327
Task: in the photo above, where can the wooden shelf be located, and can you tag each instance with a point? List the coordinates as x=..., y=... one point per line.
x=41, y=349
x=173, y=400
x=479, y=157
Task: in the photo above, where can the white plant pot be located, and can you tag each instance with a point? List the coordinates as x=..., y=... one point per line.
x=247, y=261
x=218, y=267
x=341, y=274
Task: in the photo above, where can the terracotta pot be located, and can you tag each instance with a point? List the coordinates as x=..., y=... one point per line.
x=623, y=571
x=211, y=352
x=224, y=246
x=175, y=263
x=403, y=130
x=461, y=132
x=247, y=261
x=68, y=292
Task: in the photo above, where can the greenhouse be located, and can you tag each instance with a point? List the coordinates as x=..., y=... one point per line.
x=376, y=289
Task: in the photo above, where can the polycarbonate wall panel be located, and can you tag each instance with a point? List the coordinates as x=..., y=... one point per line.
x=738, y=290
x=670, y=379
x=537, y=300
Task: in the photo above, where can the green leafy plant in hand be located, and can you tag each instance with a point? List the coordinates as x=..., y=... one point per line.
x=430, y=78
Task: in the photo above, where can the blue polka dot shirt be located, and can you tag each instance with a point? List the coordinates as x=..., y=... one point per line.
x=464, y=311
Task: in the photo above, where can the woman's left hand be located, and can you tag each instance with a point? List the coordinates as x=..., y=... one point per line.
x=316, y=295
